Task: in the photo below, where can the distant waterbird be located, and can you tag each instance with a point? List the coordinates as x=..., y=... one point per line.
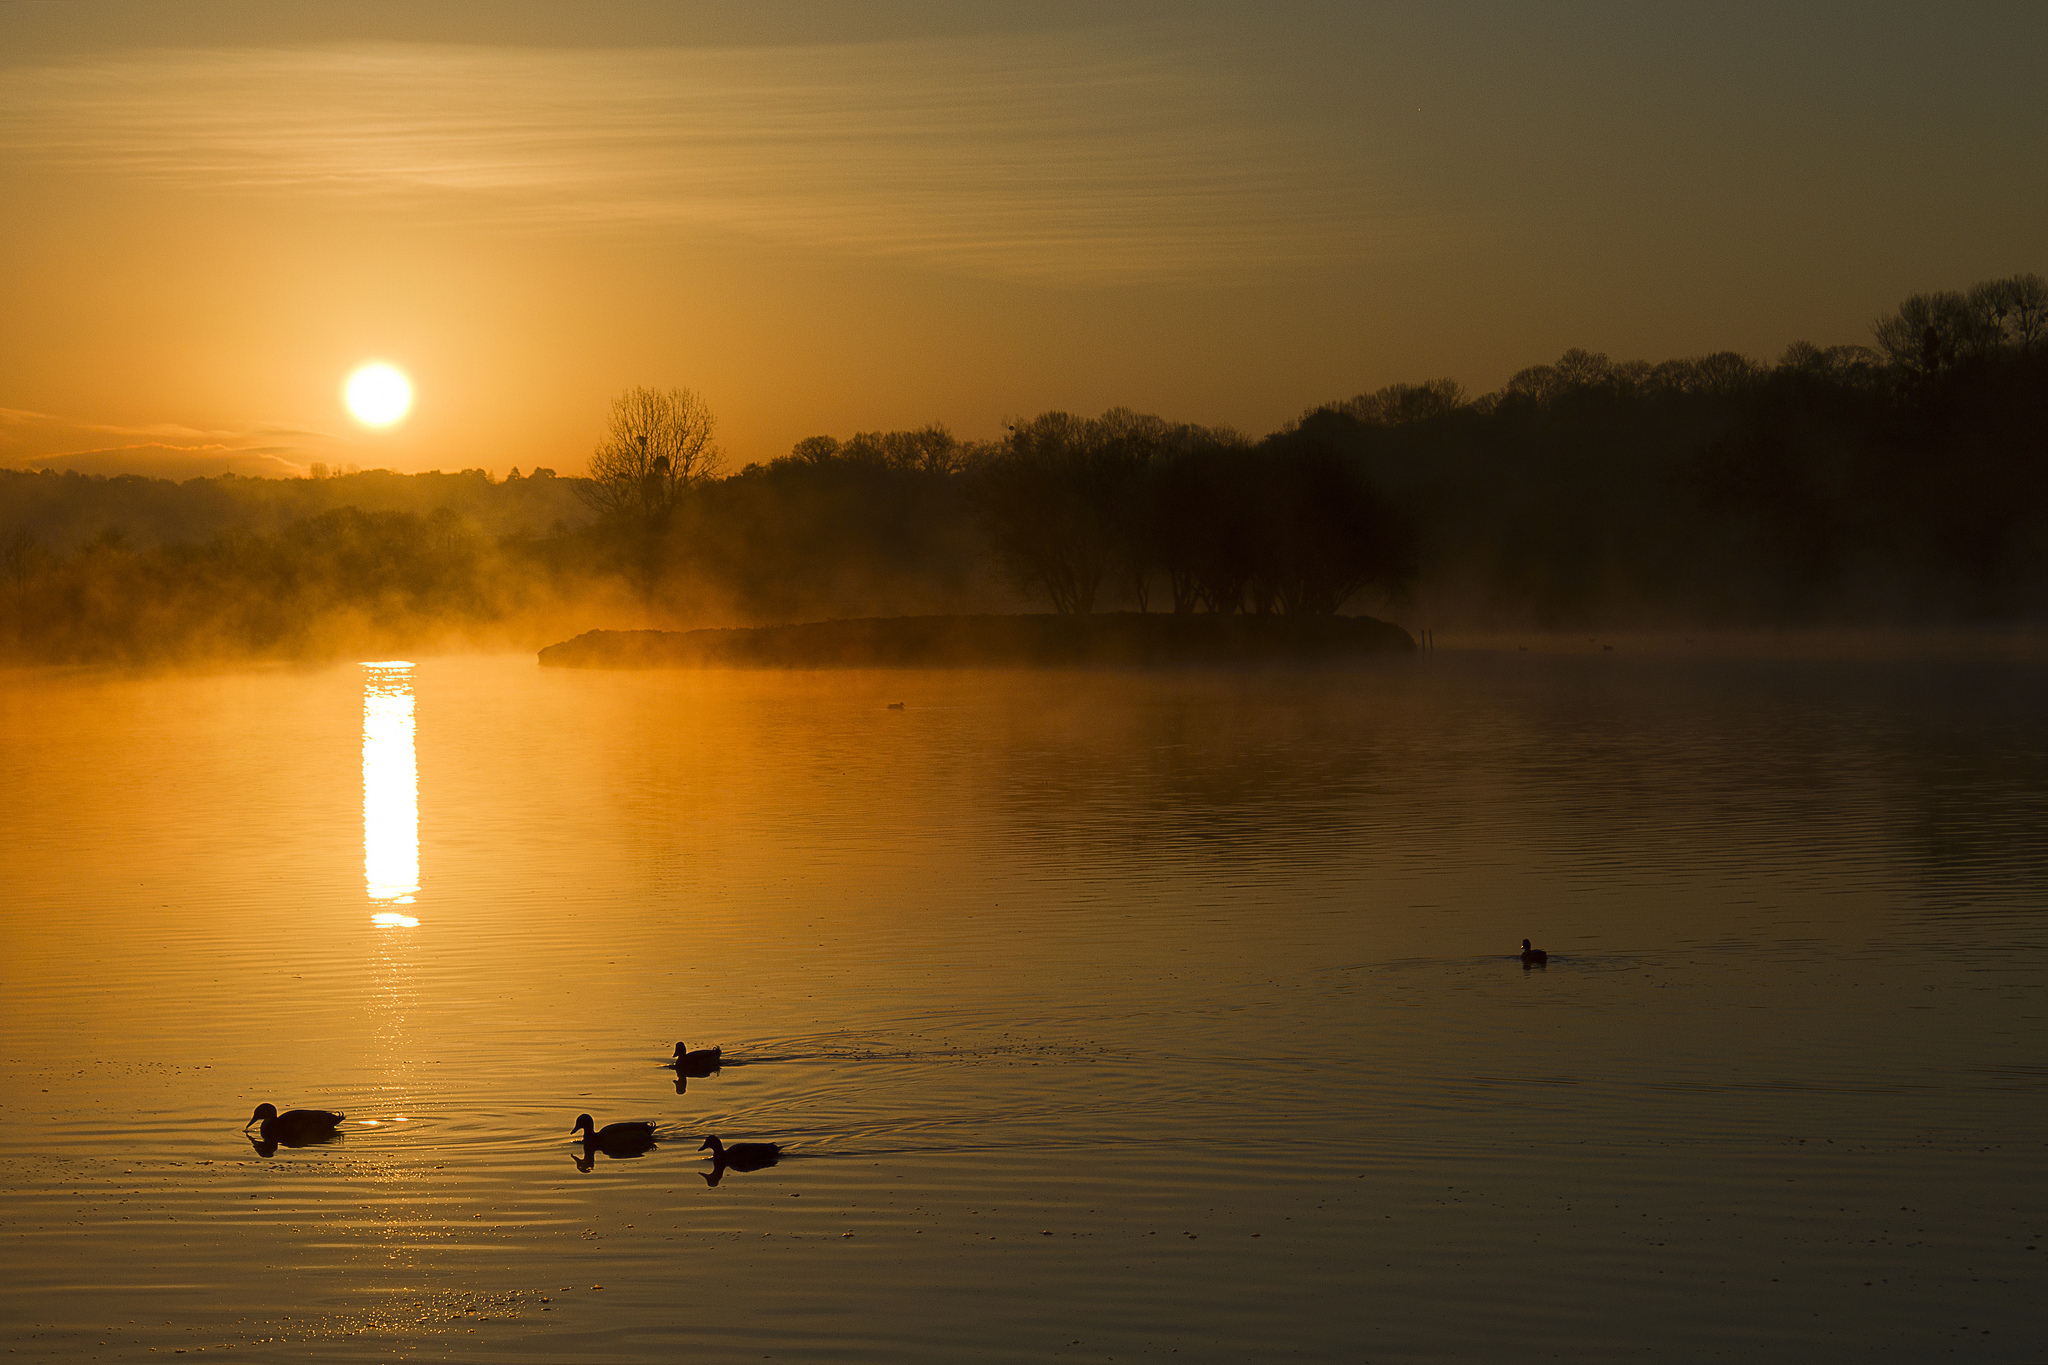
x=614, y=1139
x=742, y=1156
x=293, y=1126
x=895, y=706
x=1533, y=954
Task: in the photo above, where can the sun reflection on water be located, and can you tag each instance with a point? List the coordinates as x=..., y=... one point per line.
x=391, y=795
x=391, y=874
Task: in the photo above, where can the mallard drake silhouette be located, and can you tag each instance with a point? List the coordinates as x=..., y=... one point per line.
x=293, y=1126
x=614, y=1138
x=1533, y=954
x=702, y=1060
x=742, y=1156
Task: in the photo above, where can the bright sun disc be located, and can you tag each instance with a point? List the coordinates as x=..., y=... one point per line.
x=378, y=395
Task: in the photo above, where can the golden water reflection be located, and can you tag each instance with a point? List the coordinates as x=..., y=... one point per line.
x=391, y=791
x=391, y=874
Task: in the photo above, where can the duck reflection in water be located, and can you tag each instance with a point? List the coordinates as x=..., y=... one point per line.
x=586, y=1157
x=267, y=1147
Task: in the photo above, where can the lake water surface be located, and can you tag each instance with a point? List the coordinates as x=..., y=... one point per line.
x=1103, y=1015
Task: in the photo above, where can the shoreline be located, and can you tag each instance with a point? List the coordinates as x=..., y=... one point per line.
x=1123, y=639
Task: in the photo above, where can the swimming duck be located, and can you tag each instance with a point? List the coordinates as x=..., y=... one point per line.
x=293, y=1126
x=1533, y=954
x=614, y=1137
x=742, y=1156
x=704, y=1059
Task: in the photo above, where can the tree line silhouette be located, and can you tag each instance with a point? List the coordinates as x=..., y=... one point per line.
x=1903, y=482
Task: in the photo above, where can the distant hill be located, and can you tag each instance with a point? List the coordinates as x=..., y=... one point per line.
x=65, y=511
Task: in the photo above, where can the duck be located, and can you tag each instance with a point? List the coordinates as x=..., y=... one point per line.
x=1533, y=954
x=742, y=1156
x=704, y=1059
x=293, y=1126
x=895, y=706
x=614, y=1138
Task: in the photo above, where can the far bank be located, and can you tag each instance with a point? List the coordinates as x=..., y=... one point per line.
x=1123, y=639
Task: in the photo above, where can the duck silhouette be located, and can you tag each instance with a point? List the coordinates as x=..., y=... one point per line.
x=741, y=1156
x=1533, y=955
x=702, y=1062
x=294, y=1127
x=614, y=1139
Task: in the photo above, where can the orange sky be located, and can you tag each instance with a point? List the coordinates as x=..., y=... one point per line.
x=826, y=222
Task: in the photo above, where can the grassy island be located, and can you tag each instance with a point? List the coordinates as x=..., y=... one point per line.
x=1116, y=639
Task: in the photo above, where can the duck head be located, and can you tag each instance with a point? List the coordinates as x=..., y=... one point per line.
x=1525, y=945
x=264, y=1113
x=583, y=1125
x=717, y=1148
x=682, y=1051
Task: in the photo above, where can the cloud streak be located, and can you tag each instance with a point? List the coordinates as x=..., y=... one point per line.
x=1047, y=158
x=164, y=450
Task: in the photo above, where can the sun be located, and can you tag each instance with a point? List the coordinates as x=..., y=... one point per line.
x=378, y=394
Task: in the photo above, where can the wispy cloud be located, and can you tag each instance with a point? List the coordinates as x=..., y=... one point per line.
x=1050, y=157
x=177, y=463
x=41, y=440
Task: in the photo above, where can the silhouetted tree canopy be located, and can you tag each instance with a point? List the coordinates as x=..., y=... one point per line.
x=1050, y=497
x=1906, y=482
x=1930, y=332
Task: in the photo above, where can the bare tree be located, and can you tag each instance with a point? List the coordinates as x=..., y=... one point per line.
x=2011, y=312
x=2027, y=323
x=1399, y=404
x=22, y=561
x=928, y=450
x=1928, y=332
x=1052, y=496
x=657, y=445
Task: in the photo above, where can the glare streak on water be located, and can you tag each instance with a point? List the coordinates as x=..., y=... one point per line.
x=391, y=816
x=1109, y=1014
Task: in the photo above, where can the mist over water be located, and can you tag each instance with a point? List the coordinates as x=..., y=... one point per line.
x=1101, y=1014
